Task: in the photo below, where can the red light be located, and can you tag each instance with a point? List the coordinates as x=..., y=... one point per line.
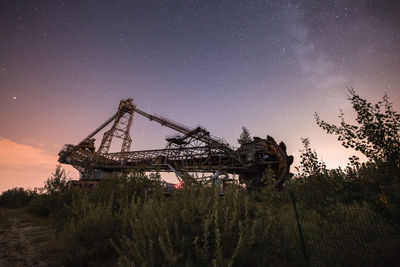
x=178, y=185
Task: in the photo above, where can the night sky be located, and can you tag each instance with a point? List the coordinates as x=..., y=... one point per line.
x=266, y=65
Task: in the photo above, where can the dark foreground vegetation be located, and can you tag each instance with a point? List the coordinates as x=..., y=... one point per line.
x=339, y=217
x=346, y=219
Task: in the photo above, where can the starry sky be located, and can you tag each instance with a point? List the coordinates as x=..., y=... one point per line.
x=266, y=65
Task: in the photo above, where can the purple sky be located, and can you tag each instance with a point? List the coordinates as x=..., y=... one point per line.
x=266, y=65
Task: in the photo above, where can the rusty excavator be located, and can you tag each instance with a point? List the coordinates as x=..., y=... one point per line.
x=191, y=150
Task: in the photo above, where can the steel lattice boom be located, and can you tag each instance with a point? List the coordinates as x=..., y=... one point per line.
x=192, y=150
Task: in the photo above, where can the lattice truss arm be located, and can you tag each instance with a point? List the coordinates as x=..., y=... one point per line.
x=194, y=150
x=185, y=152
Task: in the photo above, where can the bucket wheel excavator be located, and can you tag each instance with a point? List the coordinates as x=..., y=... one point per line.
x=190, y=150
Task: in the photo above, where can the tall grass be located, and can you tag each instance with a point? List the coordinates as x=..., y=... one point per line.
x=128, y=221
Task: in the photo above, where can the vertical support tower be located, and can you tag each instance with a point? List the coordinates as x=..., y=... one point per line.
x=120, y=128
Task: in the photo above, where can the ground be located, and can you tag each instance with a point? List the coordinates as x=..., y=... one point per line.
x=26, y=240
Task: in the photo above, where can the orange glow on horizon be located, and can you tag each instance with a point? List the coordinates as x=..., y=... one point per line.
x=25, y=166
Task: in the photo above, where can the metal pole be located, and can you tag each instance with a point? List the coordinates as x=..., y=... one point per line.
x=98, y=129
x=300, y=229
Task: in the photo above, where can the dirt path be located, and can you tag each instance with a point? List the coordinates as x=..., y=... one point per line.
x=24, y=239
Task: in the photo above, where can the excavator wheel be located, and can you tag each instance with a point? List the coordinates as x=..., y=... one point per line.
x=280, y=166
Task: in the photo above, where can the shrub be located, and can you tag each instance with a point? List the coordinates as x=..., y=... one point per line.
x=85, y=238
x=309, y=163
x=39, y=205
x=199, y=227
x=49, y=204
x=54, y=195
x=16, y=197
x=93, y=217
x=57, y=182
x=377, y=136
x=377, y=133
x=127, y=220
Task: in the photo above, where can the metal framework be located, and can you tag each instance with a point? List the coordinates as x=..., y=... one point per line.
x=120, y=128
x=191, y=150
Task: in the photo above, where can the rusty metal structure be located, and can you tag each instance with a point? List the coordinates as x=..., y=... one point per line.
x=191, y=150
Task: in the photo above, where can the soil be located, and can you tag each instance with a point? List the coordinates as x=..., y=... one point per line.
x=25, y=239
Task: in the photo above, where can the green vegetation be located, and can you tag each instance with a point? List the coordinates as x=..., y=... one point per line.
x=16, y=198
x=347, y=216
x=129, y=221
x=377, y=133
x=377, y=136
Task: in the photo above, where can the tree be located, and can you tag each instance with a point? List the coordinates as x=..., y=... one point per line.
x=58, y=182
x=309, y=163
x=245, y=137
x=377, y=134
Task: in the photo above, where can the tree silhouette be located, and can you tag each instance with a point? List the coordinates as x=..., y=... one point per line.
x=245, y=137
x=377, y=133
x=309, y=163
x=58, y=182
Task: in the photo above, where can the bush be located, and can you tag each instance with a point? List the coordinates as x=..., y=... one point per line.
x=57, y=182
x=309, y=163
x=16, y=198
x=39, y=205
x=199, y=227
x=377, y=133
x=93, y=217
x=53, y=197
x=127, y=220
x=49, y=204
x=86, y=235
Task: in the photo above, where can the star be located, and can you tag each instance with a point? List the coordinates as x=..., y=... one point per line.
x=14, y=97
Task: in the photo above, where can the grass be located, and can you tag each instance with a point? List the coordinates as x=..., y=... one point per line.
x=129, y=221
